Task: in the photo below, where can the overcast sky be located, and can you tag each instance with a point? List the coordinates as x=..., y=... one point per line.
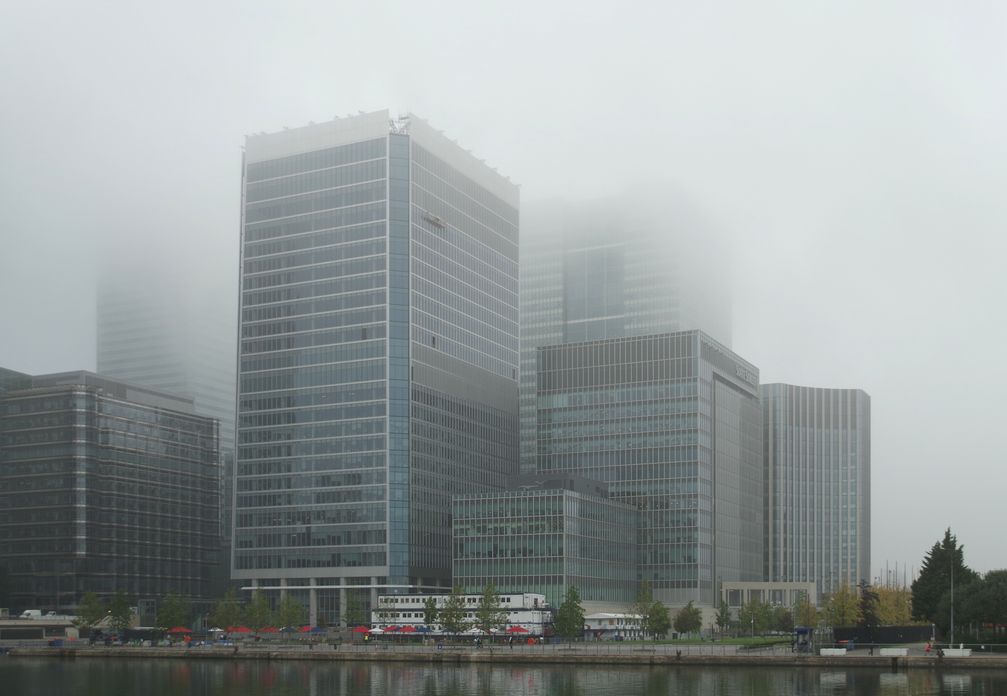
x=854, y=153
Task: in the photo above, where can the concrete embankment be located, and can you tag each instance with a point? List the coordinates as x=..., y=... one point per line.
x=522, y=656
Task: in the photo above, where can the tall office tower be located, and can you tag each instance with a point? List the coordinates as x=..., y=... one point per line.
x=818, y=485
x=170, y=332
x=611, y=269
x=104, y=486
x=672, y=423
x=378, y=359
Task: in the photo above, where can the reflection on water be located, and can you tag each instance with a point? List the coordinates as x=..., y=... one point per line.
x=42, y=677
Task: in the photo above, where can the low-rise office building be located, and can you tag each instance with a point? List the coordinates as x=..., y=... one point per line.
x=104, y=486
x=545, y=535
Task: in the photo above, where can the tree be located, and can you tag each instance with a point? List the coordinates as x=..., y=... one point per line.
x=805, y=613
x=258, y=613
x=868, y=607
x=173, y=611
x=386, y=610
x=658, y=621
x=290, y=612
x=842, y=608
x=490, y=615
x=755, y=616
x=781, y=619
x=723, y=617
x=453, y=612
x=430, y=611
x=120, y=612
x=355, y=614
x=226, y=612
x=90, y=612
x=570, y=617
x=895, y=605
x=688, y=619
x=946, y=560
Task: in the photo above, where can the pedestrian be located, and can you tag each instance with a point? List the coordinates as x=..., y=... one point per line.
x=927, y=649
x=510, y=642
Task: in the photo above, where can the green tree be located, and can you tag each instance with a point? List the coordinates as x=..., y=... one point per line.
x=356, y=613
x=723, y=617
x=781, y=619
x=430, y=611
x=842, y=607
x=490, y=615
x=985, y=601
x=258, y=614
x=945, y=560
x=290, y=612
x=755, y=616
x=570, y=617
x=90, y=612
x=173, y=611
x=869, y=601
x=453, y=612
x=689, y=619
x=658, y=621
x=226, y=612
x=120, y=612
x=805, y=613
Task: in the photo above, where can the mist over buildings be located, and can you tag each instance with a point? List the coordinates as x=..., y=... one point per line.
x=848, y=161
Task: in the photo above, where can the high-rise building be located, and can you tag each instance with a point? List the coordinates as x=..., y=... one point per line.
x=104, y=486
x=672, y=423
x=611, y=269
x=378, y=362
x=818, y=485
x=169, y=332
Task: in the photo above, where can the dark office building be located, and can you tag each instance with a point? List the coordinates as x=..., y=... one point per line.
x=672, y=423
x=104, y=486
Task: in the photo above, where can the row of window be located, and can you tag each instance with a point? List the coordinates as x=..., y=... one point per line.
x=317, y=180
x=316, y=159
x=317, y=447
x=314, y=222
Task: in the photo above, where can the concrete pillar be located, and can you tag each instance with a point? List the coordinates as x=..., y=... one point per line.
x=342, y=601
x=312, y=603
x=374, y=596
x=283, y=589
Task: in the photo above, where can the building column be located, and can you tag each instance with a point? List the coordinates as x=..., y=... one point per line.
x=342, y=601
x=374, y=596
x=312, y=603
x=283, y=589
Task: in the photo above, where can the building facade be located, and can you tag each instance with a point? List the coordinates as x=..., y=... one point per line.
x=546, y=535
x=614, y=268
x=528, y=613
x=104, y=486
x=818, y=485
x=160, y=330
x=378, y=356
x=672, y=424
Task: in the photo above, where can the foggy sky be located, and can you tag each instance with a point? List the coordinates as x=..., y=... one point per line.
x=854, y=154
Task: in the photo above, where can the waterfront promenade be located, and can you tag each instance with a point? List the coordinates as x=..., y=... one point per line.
x=564, y=653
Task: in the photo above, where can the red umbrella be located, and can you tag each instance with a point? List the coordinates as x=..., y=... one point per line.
x=304, y=629
x=517, y=629
x=361, y=629
x=238, y=629
x=391, y=629
x=407, y=629
x=179, y=629
x=269, y=629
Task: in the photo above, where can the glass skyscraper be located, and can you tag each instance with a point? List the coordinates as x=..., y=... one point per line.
x=673, y=425
x=818, y=485
x=104, y=486
x=378, y=361
x=611, y=269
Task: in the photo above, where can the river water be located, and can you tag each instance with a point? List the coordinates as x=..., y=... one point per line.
x=122, y=677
